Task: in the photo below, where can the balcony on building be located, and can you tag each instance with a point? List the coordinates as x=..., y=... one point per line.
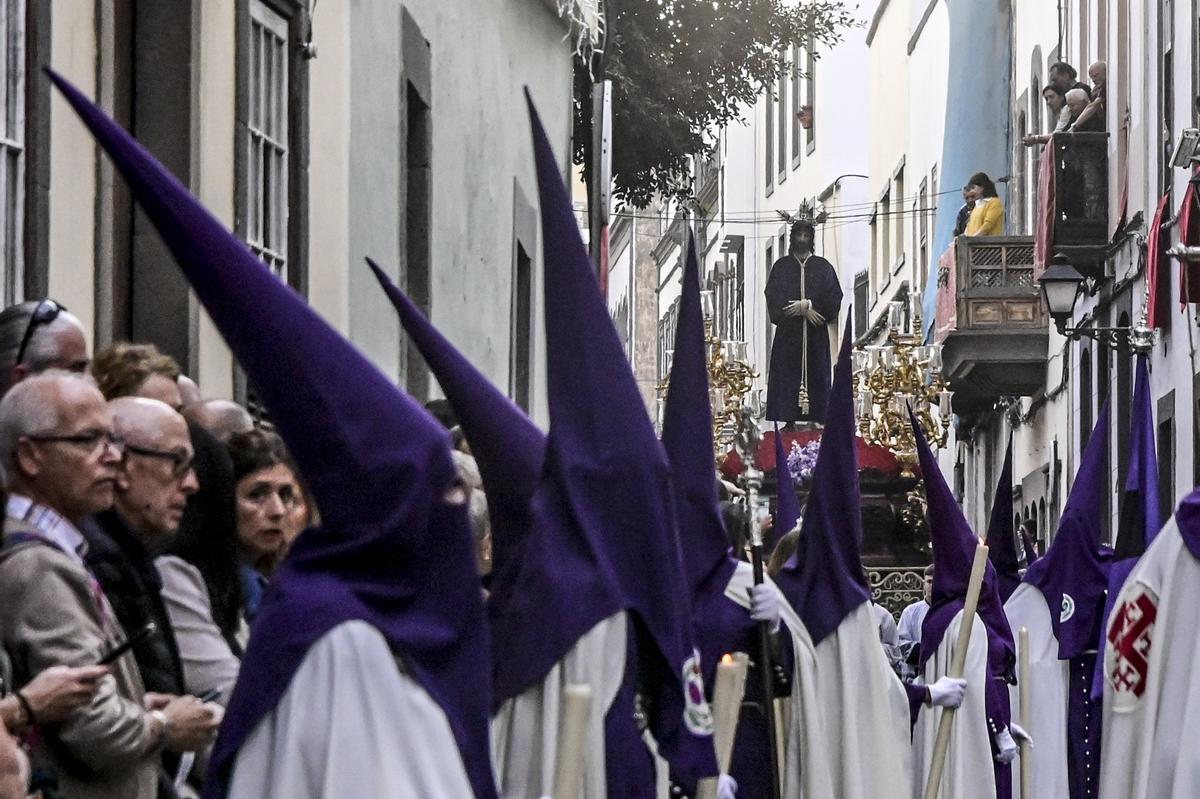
x=990, y=321
x=1074, y=194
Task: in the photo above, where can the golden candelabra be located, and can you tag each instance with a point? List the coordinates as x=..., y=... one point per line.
x=730, y=381
x=891, y=378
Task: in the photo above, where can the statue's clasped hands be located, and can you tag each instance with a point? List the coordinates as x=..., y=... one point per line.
x=804, y=308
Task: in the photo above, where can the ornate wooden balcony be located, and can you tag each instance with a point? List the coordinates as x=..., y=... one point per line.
x=991, y=320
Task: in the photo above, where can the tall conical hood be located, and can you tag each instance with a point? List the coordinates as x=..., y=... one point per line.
x=605, y=536
x=1073, y=574
x=688, y=440
x=508, y=447
x=953, y=552
x=824, y=579
x=787, y=504
x=377, y=465
x=1141, y=518
x=1001, y=537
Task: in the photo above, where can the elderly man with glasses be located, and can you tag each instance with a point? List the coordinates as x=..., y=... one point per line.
x=151, y=488
x=62, y=459
x=38, y=335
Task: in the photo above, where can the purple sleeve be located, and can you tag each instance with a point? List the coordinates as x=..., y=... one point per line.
x=917, y=696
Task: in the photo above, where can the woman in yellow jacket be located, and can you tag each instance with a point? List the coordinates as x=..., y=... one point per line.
x=987, y=219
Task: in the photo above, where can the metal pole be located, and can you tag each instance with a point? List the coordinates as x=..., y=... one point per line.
x=753, y=481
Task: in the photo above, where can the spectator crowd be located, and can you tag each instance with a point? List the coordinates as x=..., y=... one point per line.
x=143, y=524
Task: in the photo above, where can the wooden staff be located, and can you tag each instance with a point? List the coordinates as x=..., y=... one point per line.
x=728, y=692
x=958, y=662
x=1024, y=704
x=572, y=732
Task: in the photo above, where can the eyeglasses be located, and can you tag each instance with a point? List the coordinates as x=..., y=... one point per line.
x=181, y=460
x=90, y=440
x=46, y=312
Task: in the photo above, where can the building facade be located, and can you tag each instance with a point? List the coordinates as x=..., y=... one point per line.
x=365, y=128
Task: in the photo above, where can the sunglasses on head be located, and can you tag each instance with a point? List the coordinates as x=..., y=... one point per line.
x=46, y=312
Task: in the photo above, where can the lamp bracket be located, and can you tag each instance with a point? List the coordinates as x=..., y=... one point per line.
x=1123, y=339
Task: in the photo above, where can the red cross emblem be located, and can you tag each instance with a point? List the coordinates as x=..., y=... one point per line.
x=1129, y=638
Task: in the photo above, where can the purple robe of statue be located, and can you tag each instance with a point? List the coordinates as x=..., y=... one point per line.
x=800, y=350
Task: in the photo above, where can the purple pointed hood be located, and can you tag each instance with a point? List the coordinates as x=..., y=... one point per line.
x=605, y=536
x=824, y=579
x=1001, y=538
x=688, y=440
x=953, y=552
x=1187, y=519
x=787, y=504
x=506, y=444
x=1141, y=518
x=1073, y=574
x=377, y=465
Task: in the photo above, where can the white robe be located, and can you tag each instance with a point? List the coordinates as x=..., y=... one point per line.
x=1150, y=741
x=351, y=723
x=1049, y=682
x=969, y=772
x=809, y=753
x=525, y=729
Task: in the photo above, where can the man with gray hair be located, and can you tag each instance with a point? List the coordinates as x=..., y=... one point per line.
x=221, y=417
x=60, y=455
x=38, y=335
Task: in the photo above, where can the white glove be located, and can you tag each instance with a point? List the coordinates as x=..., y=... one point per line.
x=947, y=692
x=815, y=319
x=1018, y=732
x=726, y=787
x=764, y=605
x=1007, y=747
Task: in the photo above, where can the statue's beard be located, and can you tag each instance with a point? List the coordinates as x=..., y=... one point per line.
x=803, y=247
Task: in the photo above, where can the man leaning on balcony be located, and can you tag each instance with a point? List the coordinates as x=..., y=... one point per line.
x=987, y=218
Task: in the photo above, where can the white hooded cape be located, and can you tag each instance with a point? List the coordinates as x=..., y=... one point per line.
x=1152, y=678
x=1049, y=681
x=351, y=723
x=525, y=729
x=809, y=753
x=969, y=772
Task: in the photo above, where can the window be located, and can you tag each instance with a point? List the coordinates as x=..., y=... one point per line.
x=921, y=236
x=522, y=325
x=12, y=149
x=769, y=327
x=769, y=149
x=1085, y=396
x=1124, y=406
x=1020, y=179
x=810, y=93
x=797, y=80
x=1166, y=456
x=782, y=117
x=861, y=287
x=1166, y=83
x=265, y=220
x=525, y=227
x=416, y=183
x=873, y=275
x=898, y=209
x=885, y=237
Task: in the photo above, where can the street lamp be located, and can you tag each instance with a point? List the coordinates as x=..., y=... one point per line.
x=1061, y=284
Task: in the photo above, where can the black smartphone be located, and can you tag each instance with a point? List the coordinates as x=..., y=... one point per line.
x=133, y=640
x=211, y=695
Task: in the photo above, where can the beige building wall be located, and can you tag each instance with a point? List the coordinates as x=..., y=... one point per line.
x=482, y=164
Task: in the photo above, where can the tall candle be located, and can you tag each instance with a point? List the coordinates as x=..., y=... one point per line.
x=572, y=732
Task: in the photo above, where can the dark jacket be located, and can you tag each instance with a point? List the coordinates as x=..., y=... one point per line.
x=126, y=573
